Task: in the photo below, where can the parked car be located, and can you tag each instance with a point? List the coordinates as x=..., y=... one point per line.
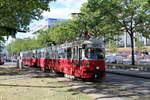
x=8, y=60
x=114, y=59
x=124, y=55
x=14, y=60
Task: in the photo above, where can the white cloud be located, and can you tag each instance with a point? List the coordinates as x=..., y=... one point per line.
x=74, y=4
x=63, y=13
x=69, y=6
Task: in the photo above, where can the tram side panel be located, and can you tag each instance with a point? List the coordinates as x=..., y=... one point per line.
x=29, y=58
x=33, y=62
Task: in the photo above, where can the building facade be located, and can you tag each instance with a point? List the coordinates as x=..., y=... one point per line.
x=124, y=41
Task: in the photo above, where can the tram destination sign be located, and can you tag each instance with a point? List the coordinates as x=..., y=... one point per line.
x=95, y=46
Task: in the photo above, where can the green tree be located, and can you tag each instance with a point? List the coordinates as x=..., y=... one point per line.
x=112, y=47
x=139, y=45
x=43, y=38
x=63, y=32
x=58, y=34
x=23, y=45
x=16, y=15
x=118, y=17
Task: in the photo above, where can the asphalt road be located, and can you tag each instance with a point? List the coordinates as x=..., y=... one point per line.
x=140, y=87
x=115, y=87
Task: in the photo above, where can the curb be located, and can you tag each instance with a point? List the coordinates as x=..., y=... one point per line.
x=127, y=74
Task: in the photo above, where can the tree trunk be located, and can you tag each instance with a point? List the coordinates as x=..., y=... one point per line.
x=132, y=48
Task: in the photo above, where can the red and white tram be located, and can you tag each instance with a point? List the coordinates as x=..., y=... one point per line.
x=79, y=59
x=29, y=58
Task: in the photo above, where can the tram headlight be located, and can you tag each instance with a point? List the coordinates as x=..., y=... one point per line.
x=88, y=64
x=97, y=67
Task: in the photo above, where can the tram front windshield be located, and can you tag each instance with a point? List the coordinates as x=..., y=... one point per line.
x=94, y=53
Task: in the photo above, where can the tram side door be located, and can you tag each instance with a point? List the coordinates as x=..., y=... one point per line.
x=80, y=56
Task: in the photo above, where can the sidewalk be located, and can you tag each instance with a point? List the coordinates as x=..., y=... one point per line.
x=133, y=73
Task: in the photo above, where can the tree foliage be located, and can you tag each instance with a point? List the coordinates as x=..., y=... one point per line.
x=139, y=46
x=55, y=35
x=16, y=15
x=63, y=32
x=118, y=16
x=22, y=45
x=112, y=46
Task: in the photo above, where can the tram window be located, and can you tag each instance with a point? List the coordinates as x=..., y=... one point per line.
x=49, y=51
x=33, y=55
x=52, y=54
x=27, y=55
x=93, y=53
x=68, y=53
x=44, y=54
x=61, y=53
x=56, y=55
x=65, y=53
x=47, y=55
x=80, y=53
x=75, y=53
x=39, y=55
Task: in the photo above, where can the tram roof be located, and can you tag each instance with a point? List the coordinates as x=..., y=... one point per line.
x=75, y=43
x=93, y=41
x=81, y=42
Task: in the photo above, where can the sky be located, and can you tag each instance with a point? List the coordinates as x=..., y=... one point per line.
x=61, y=9
x=64, y=8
